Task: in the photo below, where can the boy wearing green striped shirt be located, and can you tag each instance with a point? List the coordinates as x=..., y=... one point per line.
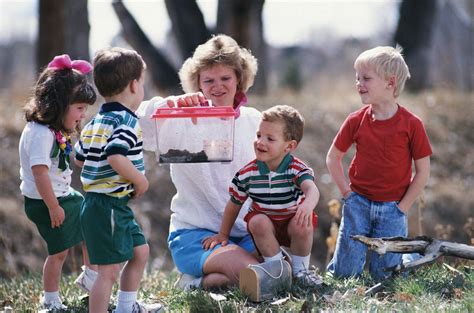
x=283, y=195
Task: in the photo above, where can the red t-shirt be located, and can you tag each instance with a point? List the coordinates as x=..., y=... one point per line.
x=381, y=167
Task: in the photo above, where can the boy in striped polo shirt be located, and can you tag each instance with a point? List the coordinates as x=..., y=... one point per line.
x=111, y=156
x=283, y=195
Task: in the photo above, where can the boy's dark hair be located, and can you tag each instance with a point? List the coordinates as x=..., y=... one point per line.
x=54, y=91
x=115, y=68
x=290, y=117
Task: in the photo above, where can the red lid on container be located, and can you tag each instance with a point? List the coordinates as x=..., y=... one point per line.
x=223, y=111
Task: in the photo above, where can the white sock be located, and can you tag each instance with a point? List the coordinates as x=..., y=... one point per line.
x=300, y=263
x=91, y=273
x=125, y=301
x=50, y=297
x=196, y=283
x=276, y=257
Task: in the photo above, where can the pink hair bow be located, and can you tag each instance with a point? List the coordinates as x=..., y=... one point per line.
x=61, y=62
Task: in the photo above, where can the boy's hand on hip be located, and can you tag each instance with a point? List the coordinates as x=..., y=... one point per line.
x=140, y=187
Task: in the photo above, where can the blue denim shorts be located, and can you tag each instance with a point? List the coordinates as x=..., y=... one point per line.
x=187, y=252
x=374, y=219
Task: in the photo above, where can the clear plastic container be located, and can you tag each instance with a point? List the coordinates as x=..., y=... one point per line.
x=194, y=134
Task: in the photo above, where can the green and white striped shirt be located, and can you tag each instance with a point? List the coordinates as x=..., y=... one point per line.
x=272, y=193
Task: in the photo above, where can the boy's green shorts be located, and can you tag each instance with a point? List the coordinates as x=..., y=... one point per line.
x=65, y=236
x=109, y=229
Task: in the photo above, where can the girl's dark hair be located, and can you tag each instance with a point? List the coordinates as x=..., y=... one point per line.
x=54, y=91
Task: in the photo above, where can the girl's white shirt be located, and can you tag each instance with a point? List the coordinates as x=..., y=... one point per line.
x=203, y=188
x=36, y=143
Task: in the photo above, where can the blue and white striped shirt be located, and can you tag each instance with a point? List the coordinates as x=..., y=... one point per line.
x=113, y=130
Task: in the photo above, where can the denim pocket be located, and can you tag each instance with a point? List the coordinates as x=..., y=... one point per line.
x=395, y=203
x=348, y=197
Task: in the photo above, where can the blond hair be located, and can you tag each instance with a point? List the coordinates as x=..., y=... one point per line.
x=219, y=50
x=386, y=61
x=292, y=119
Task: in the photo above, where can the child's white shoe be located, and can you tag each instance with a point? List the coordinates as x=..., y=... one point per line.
x=86, y=279
x=139, y=307
x=308, y=278
x=55, y=306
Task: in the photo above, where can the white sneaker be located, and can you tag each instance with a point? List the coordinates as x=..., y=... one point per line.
x=85, y=281
x=188, y=282
x=308, y=278
x=139, y=307
x=54, y=306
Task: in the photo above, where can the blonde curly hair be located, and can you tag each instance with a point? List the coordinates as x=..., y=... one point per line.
x=224, y=50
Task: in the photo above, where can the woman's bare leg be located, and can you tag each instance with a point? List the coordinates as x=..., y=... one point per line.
x=222, y=267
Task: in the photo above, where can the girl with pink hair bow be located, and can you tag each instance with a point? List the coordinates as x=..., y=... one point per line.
x=54, y=113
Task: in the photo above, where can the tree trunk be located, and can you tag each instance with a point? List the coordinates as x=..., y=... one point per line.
x=437, y=37
x=454, y=28
x=63, y=28
x=242, y=20
x=414, y=33
x=187, y=24
x=163, y=74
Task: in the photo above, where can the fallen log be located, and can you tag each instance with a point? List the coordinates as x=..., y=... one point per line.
x=422, y=244
x=429, y=248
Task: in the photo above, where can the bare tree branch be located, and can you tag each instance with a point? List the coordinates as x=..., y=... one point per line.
x=423, y=245
x=188, y=25
x=430, y=248
x=163, y=74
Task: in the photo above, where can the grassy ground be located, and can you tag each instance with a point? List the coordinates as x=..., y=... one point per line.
x=435, y=288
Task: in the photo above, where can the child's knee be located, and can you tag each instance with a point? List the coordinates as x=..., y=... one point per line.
x=260, y=224
x=300, y=231
x=109, y=272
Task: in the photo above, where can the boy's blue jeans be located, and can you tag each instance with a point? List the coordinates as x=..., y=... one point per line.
x=361, y=216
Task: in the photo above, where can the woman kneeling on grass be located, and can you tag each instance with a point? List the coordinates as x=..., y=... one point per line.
x=222, y=72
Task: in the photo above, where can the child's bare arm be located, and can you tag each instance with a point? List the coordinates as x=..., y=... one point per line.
x=78, y=163
x=45, y=189
x=334, y=164
x=422, y=173
x=304, y=211
x=230, y=215
x=125, y=168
